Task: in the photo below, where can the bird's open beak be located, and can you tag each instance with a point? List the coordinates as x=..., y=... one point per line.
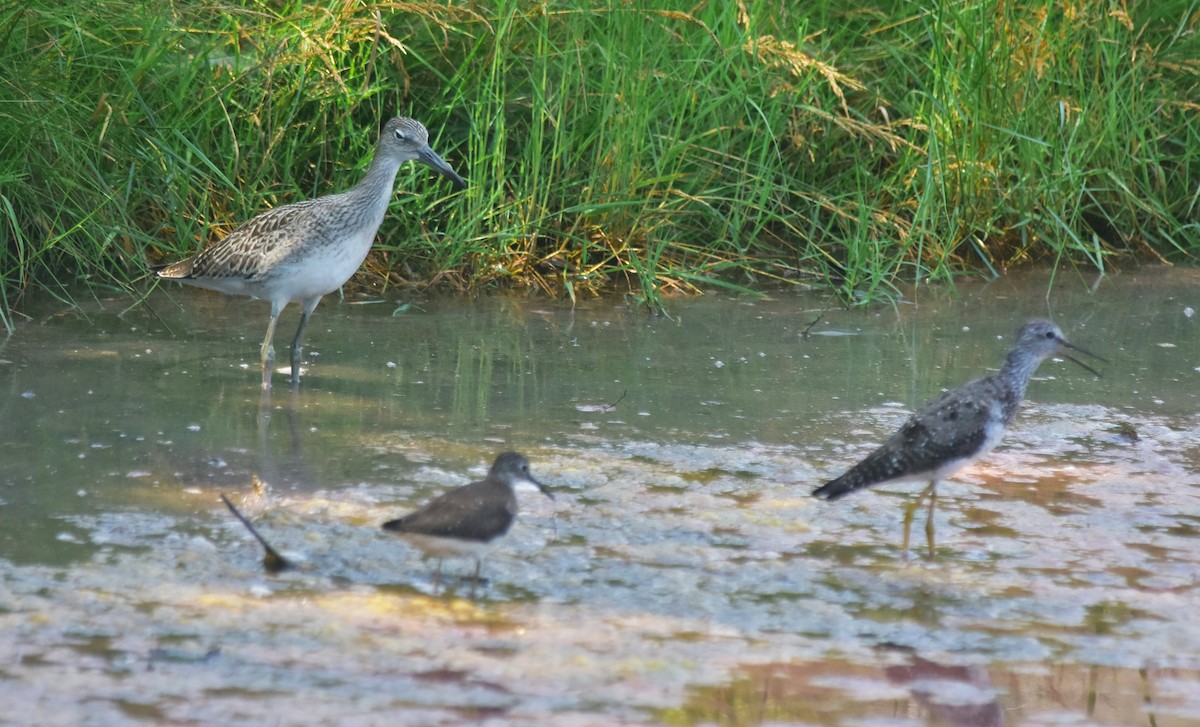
x=1067, y=344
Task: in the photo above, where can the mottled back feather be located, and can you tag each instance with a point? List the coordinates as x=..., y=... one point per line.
x=959, y=426
x=954, y=427
x=480, y=511
x=257, y=245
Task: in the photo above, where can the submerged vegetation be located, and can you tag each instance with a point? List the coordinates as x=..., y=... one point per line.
x=637, y=145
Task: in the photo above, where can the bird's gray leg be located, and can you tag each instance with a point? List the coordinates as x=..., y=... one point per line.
x=268, y=351
x=475, y=580
x=910, y=511
x=437, y=577
x=308, y=307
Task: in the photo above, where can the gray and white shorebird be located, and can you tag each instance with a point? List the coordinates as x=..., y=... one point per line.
x=302, y=251
x=469, y=521
x=958, y=427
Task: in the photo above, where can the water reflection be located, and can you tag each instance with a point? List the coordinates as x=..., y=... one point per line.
x=949, y=694
x=910, y=689
x=287, y=465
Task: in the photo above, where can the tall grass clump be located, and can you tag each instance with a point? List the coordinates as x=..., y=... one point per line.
x=1056, y=130
x=735, y=145
x=664, y=150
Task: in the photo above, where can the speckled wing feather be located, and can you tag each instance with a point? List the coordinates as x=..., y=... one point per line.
x=956, y=425
x=479, y=511
x=256, y=246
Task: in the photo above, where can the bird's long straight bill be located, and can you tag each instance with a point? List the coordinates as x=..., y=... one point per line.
x=1069, y=357
x=431, y=159
x=541, y=486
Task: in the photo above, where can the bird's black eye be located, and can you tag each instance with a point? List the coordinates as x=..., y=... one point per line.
x=1049, y=334
x=400, y=135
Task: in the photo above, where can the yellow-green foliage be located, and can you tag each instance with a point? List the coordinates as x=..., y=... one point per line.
x=736, y=144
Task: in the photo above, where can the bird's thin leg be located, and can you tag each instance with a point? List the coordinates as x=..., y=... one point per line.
x=268, y=350
x=308, y=307
x=437, y=577
x=929, y=539
x=910, y=511
x=475, y=580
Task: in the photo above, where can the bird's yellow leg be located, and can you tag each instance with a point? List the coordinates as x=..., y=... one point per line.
x=268, y=351
x=929, y=538
x=910, y=511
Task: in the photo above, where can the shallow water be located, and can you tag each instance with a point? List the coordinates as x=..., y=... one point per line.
x=682, y=576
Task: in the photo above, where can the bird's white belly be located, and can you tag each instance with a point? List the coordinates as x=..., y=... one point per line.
x=321, y=271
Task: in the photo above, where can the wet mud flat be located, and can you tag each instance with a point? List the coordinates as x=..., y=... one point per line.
x=683, y=575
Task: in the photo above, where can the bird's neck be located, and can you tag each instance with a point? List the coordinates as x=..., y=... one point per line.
x=1018, y=368
x=376, y=185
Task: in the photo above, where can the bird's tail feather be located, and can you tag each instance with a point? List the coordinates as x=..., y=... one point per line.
x=879, y=467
